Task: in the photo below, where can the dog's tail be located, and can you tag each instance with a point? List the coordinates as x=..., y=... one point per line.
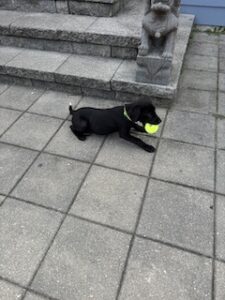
x=71, y=108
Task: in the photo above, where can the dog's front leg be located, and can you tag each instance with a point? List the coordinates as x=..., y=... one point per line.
x=138, y=128
x=126, y=136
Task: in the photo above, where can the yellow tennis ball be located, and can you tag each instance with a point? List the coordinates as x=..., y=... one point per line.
x=151, y=129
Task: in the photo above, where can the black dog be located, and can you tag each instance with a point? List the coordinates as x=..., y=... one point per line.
x=89, y=120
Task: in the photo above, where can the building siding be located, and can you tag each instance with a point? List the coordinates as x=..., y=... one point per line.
x=207, y=12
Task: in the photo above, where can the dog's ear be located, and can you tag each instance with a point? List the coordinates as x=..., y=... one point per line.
x=134, y=112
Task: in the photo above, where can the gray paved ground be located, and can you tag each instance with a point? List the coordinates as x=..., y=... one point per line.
x=104, y=219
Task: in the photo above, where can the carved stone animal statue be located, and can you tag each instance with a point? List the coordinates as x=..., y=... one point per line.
x=159, y=27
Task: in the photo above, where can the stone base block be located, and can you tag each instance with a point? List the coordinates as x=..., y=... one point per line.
x=152, y=69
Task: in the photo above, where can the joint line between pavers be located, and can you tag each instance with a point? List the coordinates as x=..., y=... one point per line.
x=122, y=60
x=201, y=90
x=65, y=215
x=8, y=86
x=55, y=5
x=70, y=54
x=114, y=168
x=187, y=143
x=182, y=185
x=31, y=149
x=23, y=112
x=215, y=183
x=199, y=70
x=4, y=65
x=31, y=112
x=100, y=224
x=174, y=246
x=39, y=152
x=5, y=279
x=123, y=275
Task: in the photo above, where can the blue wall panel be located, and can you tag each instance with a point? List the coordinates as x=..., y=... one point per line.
x=207, y=12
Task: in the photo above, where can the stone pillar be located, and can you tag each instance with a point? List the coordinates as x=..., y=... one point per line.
x=155, y=55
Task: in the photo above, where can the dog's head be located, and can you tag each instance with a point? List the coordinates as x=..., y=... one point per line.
x=143, y=112
x=161, y=6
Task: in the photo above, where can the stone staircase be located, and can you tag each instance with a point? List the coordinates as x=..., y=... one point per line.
x=83, y=54
x=99, y=8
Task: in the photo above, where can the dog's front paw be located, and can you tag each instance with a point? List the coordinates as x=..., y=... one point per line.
x=149, y=148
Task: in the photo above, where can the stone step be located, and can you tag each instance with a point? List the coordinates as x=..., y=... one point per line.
x=96, y=76
x=100, y=8
x=109, y=37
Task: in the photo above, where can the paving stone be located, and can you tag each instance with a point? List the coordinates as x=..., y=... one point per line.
x=36, y=64
x=1, y=199
x=13, y=161
x=195, y=101
x=186, y=164
x=25, y=234
x=221, y=108
x=84, y=262
x=206, y=49
x=220, y=187
x=31, y=131
x=52, y=26
x=220, y=227
x=202, y=37
x=7, y=117
x=31, y=296
x=54, y=104
x=159, y=272
x=222, y=51
x=222, y=66
x=6, y=55
x=118, y=205
x=179, y=216
x=19, y=97
x=190, y=127
x=88, y=71
x=3, y=87
x=219, y=281
x=9, y=291
x=105, y=30
x=52, y=181
x=198, y=62
x=123, y=155
x=198, y=80
x=6, y=18
x=221, y=131
x=221, y=82
x=67, y=144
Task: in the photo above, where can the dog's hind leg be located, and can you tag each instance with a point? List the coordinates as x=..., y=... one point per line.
x=80, y=129
x=79, y=135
